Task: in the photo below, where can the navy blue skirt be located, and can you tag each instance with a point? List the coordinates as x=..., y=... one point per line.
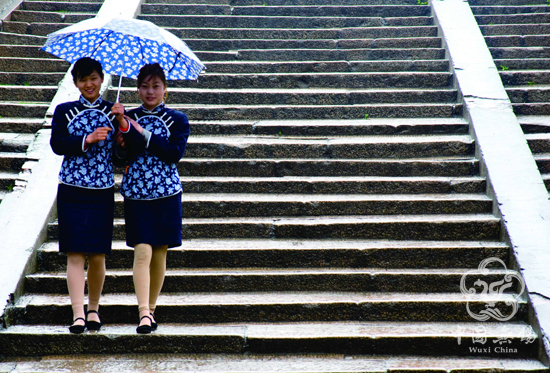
x=85, y=219
x=156, y=222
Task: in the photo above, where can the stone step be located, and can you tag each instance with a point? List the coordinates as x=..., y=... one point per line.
x=39, y=29
x=522, y=64
x=21, y=65
x=297, y=96
x=530, y=94
x=24, y=51
x=61, y=6
x=308, y=55
x=233, y=363
x=538, y=142
x=518, y=41
x=27, y=93
x=539, y=108
x=23, y=109
x=290, y=11
x=31, y=78
x=296, y=112
x=7, y=181
x=292, y=2
x=15, y=142
x=467, y=166
x=534, y=124
x=330, y=185
x=12, y=161
x=239, y=147
x=49, y=17
x=276, y=253
x=401, y=227
x=338, y=127
x=207, y=205
x=509, y=9
x=532, y=79
x=273, y=307
x=363, y=338
x=525, y=52
x=260, y=67
x=306, y=34
x=543, y=162
x=515, y=19
x=506, y=2
x=312, y=22
x=224, y=44
x=19, y=39
x=520, y=29
x=21, y=125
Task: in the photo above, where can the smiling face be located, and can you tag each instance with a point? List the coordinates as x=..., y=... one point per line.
x=89, y=86
x=151, y=92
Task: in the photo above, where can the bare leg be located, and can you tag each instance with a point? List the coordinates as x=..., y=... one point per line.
x=96, y=279
x=157, y=272
x=76, y=283
x=142, y=264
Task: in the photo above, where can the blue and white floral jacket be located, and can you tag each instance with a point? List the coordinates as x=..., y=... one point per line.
x=83, y=167
x=152, y=171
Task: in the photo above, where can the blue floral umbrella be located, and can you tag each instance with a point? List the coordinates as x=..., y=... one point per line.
x=123, y=46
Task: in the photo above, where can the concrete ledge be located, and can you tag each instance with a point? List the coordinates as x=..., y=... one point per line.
x=8, y=6
x=507, y=161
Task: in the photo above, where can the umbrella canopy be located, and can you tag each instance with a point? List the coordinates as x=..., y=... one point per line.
x=123, y=46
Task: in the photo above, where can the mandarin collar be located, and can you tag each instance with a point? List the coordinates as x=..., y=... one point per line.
x=87, y=103
x=155, y=110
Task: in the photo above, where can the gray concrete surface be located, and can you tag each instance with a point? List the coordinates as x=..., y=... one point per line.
x=514, y=178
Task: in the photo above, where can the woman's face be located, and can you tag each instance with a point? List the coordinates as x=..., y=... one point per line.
x=89, y=86
x=151, y=92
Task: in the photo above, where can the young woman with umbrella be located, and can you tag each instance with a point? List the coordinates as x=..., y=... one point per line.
x=155, y=137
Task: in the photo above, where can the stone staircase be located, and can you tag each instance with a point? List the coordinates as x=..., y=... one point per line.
x=332, y=204
x=28, y=79
x=518, y=35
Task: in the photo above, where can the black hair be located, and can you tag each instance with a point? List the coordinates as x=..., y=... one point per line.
x=84, y=67
x=151, y=70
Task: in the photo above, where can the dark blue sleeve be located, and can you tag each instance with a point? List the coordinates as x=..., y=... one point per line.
x=61, y=141
x=171, y=150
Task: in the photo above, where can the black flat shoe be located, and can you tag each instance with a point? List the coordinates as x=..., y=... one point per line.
x=144, y=329
x=93, y=325
x=154, y=324
x=77, y=329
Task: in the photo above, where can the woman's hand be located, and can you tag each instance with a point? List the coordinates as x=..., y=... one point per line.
x=136, y=125
x=118, y=111
x=98, y=135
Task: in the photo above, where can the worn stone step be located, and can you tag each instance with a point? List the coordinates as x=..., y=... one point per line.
x=49, y=17
x=290, y=11
x=535, y=18
x=295, y=112
x=7, y=181
x=61, y=6
x=363, y=338
x=308, y=55
x=303, y=167
x=229, y=363
x=520, y=29
x=401, y=227
x=207, y=205
x=39, y=29
x=314, y=253
x=19, y=39
x=543, y=162
x=30, y=78
x=15, y=142
x=297, y=96
x=299, y=2
x=522, y=64
x=534, y=124
x=24, y=51
x=538, y=142
x=27, y=93
x=224, y=44
x=14, y=64
x=12, y=161
x=274, y=307
x=532, y=93
x=338, y=127
x=330, y=185
x=20, y=125
x=520, y=52
x=237, y=147
x=509, y=9
x=505, y=2
x=307, y=34
x=24, y=109
x=539, y=108
x=230, y=21
x=260, y=67
x=532, y=79
x=518, y=41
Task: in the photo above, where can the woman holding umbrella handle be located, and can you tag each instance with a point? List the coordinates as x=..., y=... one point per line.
x=155, y=138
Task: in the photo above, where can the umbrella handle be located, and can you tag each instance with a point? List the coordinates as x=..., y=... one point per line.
x=119, y=85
